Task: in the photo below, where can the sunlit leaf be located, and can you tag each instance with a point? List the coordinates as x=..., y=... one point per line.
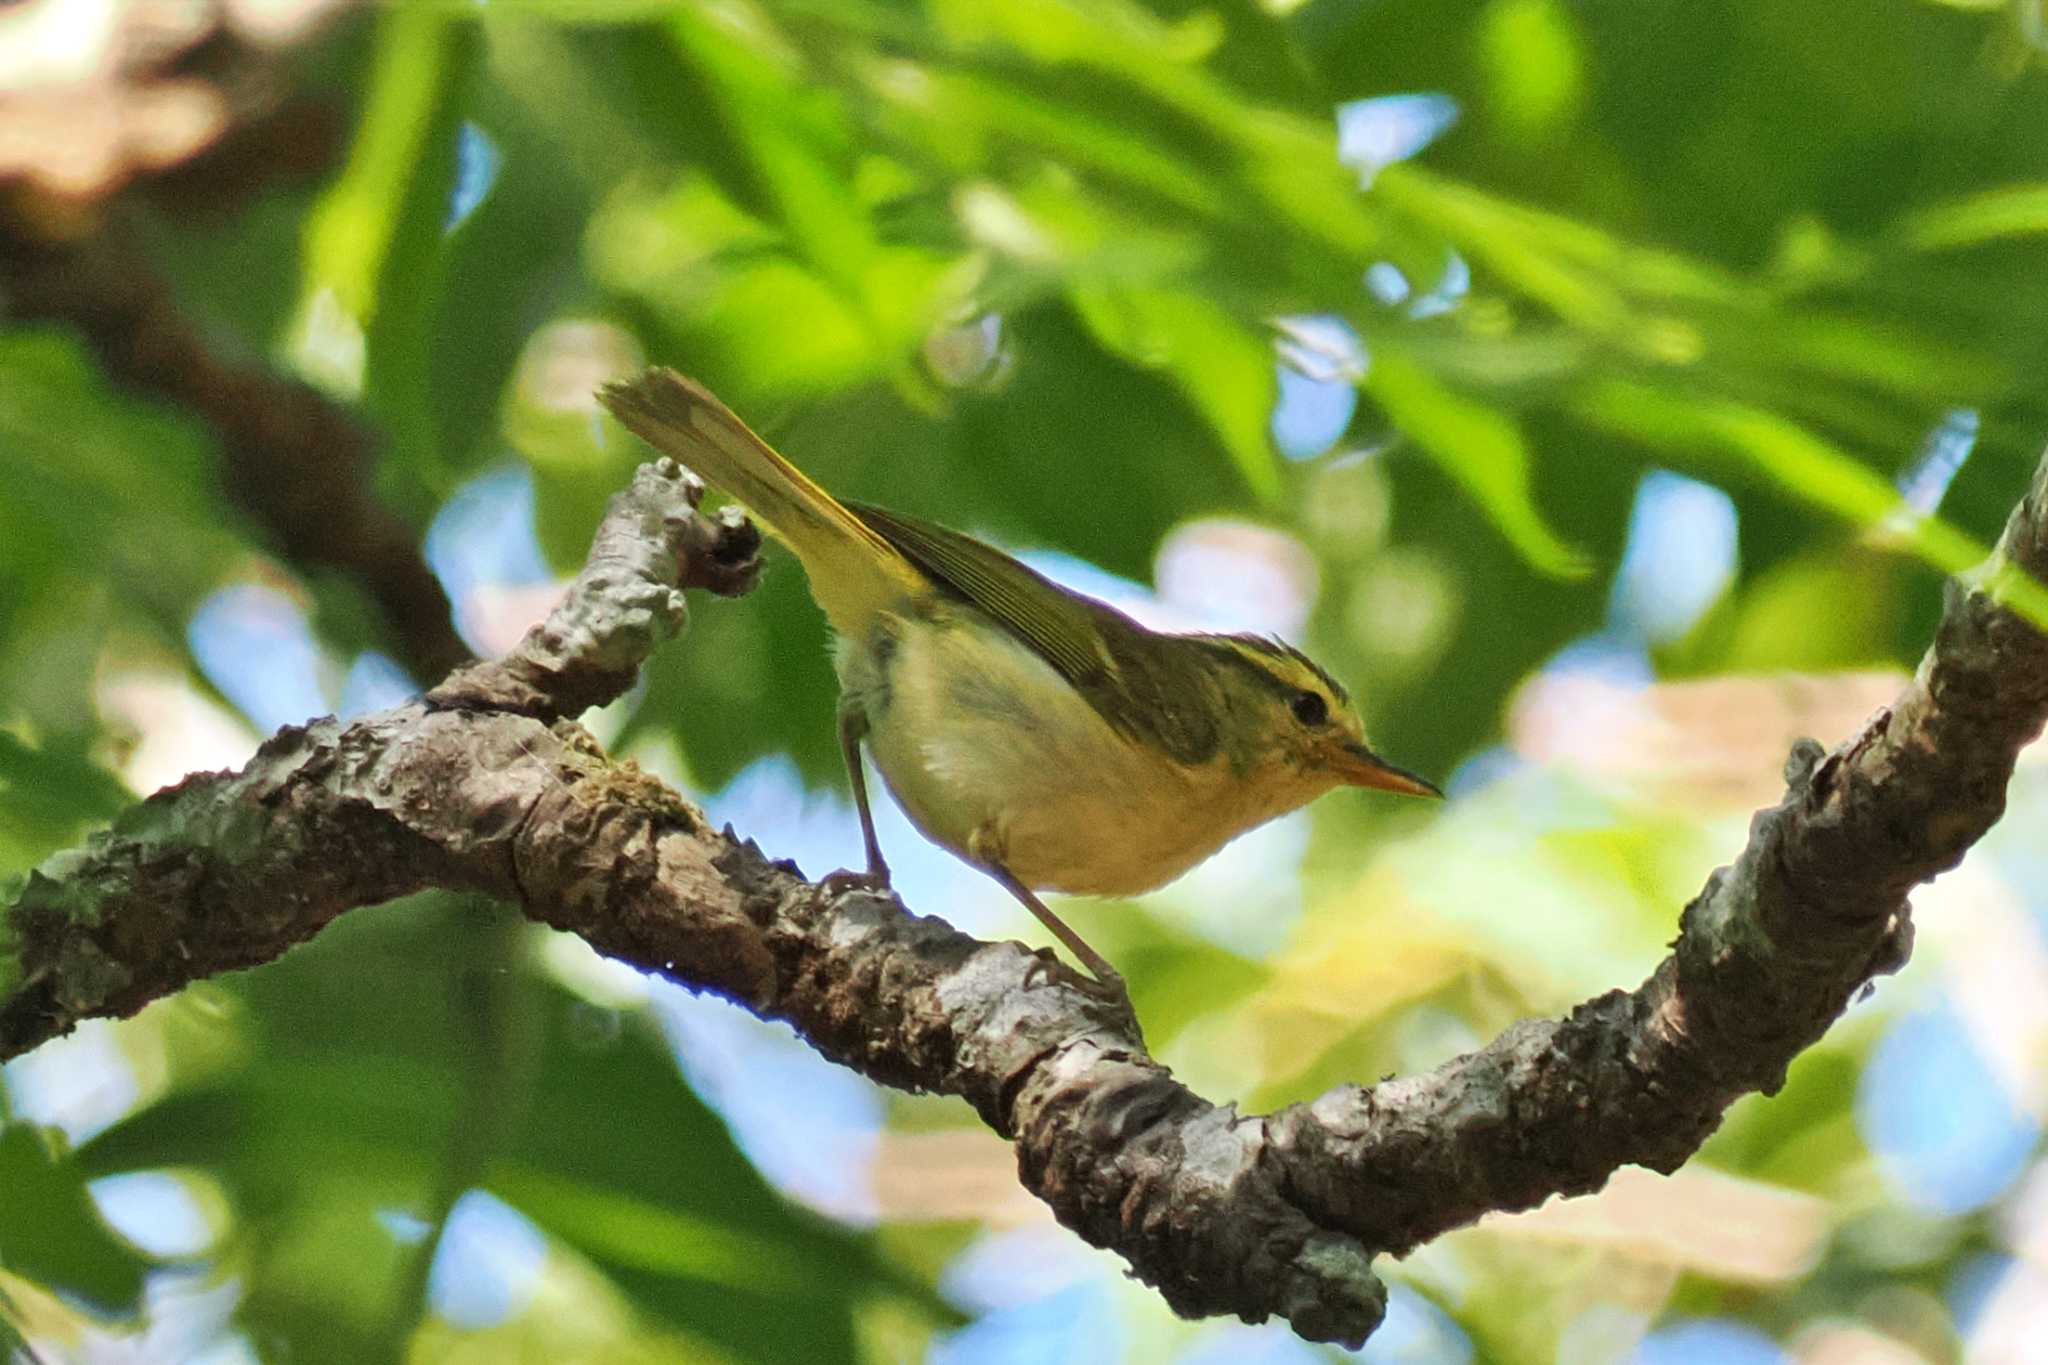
x=1511, y=243
x=1828, y=609
x=598, y=12
x=1807, y=467
x=1220, y=365
x=799, y=156
x=1531, y=52
x=48, y=793
x=1480, y=447
x=1991, y=215
x=992, y=109
x=382, y=195
x=614, y=1226
x=832, y=347
x=1805, y=1136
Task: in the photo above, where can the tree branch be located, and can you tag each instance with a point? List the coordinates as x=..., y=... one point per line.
x=1277, y=1214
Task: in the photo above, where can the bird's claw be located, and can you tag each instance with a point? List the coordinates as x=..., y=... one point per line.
x=847, y=879
x=1107, y=984
x=1104, y=983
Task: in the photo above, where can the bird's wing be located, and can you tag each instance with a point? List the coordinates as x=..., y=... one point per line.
x=1125, y=672
x=1058, y=625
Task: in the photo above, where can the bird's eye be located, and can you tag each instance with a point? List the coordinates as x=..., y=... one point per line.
x=1309, y=708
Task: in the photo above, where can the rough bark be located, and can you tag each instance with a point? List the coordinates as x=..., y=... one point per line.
x=1267, y=1215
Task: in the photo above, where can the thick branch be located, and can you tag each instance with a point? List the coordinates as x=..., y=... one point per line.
x=628, y=599
x=1249, y=1215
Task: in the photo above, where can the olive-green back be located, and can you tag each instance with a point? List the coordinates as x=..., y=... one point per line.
x=1154, y=688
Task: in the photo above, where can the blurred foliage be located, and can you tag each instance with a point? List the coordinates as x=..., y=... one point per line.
x=50, y=1231
x=1041, y=269
x=463, y=1069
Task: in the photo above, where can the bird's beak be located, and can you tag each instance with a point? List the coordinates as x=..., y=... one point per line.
x=1361, y=767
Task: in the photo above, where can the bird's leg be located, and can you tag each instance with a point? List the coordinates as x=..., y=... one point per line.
x=853, y=727
x=1097, y=965
x=981, y=847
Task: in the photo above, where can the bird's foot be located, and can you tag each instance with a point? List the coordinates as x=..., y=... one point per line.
x=1104, y=983
x=875, y=879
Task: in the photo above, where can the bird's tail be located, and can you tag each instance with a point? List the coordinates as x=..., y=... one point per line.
x=853, y=572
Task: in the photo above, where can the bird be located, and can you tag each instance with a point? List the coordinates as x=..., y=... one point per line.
x=1043, y=736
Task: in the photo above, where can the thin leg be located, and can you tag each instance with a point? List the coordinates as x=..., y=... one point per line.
x=1097, y=965
x=853, y=727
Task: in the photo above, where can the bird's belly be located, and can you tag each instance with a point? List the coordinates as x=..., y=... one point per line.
x=1082, y=823
x=1099, y=843
x=996, y=744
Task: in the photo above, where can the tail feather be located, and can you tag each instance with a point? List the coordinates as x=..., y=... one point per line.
x=853, y=572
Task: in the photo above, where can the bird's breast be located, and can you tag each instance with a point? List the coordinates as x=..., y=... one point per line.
x=972, y=731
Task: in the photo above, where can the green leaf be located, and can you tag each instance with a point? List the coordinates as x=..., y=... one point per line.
x=798, y=165
x=824, y=344
x=338, y=1107
x=10, y=1335
x=1180, y=976
x=1053, y=229
x=964, y=116
x=1804, y=1136
x=1514, y=244
x=604, y=13
x=1531, y=52
x=499, y=273
x=392, y=195
x=614, y=1148
x=321, y=1109
x=612, y=1226
x=1882, y=355
x=1975, y=219
x=1220, y=366
x=1830, y=608
x=1481, y=448
x=99, y=485
x=51, y=1231
x=110, y=521
x=1811, y=469
x=48, y=793
x=423, y=73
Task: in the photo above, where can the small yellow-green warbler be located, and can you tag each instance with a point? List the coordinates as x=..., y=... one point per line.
x=1043, y=736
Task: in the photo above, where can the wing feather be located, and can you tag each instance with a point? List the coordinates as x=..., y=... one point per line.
x=1059, y=626
x=1126, y=672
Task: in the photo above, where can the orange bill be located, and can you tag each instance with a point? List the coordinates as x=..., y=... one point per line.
x=1361, y=767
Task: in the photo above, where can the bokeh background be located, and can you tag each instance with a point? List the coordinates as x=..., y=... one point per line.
x=1601, y=389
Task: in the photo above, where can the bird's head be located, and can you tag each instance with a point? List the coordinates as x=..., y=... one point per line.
x=1290, y=723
